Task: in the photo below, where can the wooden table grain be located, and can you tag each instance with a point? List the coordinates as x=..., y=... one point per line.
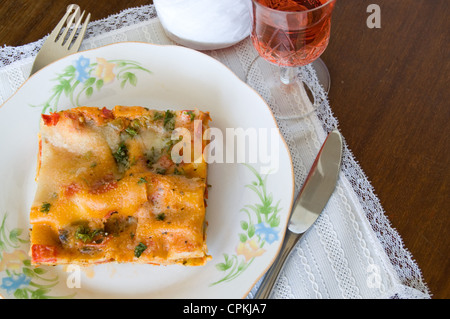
x=390, y=94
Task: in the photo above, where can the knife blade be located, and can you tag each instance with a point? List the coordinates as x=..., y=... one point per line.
x=309, y=204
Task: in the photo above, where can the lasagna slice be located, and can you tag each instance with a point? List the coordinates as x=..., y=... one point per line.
x=110, y=190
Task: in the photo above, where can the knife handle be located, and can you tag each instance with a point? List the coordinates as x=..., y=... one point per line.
x=272, y=274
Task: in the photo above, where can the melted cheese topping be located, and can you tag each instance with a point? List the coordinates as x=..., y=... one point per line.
x=108, y=189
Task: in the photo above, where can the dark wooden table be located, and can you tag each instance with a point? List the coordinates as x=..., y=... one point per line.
x=390, y=94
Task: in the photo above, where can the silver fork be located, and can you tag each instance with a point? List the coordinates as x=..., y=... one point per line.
x=60, y=42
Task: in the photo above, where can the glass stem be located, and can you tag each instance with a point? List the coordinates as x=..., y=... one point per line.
x=287, y=74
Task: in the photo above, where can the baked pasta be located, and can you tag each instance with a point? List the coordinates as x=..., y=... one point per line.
x=108, y=189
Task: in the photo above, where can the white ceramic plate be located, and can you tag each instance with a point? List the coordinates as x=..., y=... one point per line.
x=247, y=211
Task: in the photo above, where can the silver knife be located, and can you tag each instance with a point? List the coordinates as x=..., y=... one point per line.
x=310, y=202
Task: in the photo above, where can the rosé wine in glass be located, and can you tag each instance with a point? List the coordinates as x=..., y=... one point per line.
x=291, y=33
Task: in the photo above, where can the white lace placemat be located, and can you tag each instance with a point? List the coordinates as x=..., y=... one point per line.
x=352, y=251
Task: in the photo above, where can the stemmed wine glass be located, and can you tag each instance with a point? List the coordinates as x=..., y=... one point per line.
x=290, y=34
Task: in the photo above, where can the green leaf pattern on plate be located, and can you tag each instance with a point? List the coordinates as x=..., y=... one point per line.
x=84, y=77
x=260, y=228
x=18, y=278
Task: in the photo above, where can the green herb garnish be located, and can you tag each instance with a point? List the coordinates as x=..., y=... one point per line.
x=131, y=131
x=139, y=249
x=161, y=171
x=169, y=121
x=45, y=208
x=170, y=143
x=84, y=234
x=191, y=114
x=121, y=155
x=178, y=172
x=160, y=216
x=136, y=124
x=158, y=116
x=142, y=180
x=153, y=156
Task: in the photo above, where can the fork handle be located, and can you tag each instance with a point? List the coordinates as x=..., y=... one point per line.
x=272, y=274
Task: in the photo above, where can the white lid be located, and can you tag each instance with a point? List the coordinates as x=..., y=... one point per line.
x=205, y=24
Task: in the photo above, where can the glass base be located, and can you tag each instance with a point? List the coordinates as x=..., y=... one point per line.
x=322, y=74
x=284, y=85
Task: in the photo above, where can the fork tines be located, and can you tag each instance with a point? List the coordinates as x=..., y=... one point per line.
x=65, y=38
x=61, y=34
